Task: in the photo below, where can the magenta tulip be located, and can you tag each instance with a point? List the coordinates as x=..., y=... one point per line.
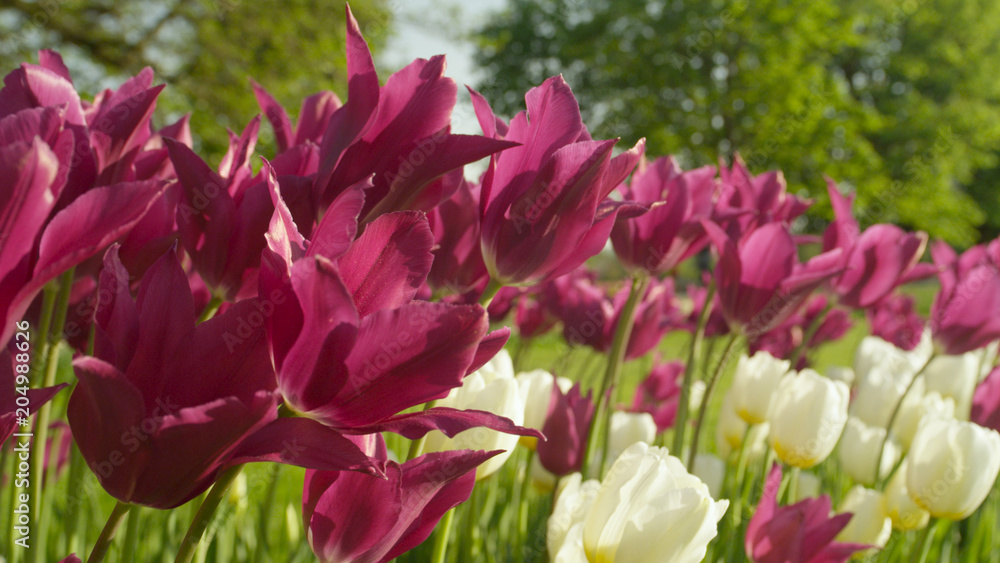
x=986, y=402
x=14, y=413
x=895, y=319
x=659, y=393
x=165, y=404
x=747, y=202
x=544, y=204
x=358, y=518
x=670, y=232
x=800, y=533
x=458, y=261
x=965, y=314
x=565, y=429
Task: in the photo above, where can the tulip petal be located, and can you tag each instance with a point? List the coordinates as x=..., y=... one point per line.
x=276, y=115
x=305, y=443
x=447, y=420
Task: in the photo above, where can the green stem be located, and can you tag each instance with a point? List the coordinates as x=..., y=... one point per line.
x=599, y=426
x=441, y=538
x=40, y=439
x=204, y=516
x=131, y=544
x=709, y=387
x=892, y=420
x=210, y=309
x=926, y=539
x=680, y=422
x=77, y=472
x=490, y=292
x=108, y=533
x=808, y=335
x=471, y=539
x=522, y=502
x=416, y=446
x=265, y=513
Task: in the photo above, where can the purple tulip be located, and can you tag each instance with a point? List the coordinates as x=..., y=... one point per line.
x=566, y=426
x=364, y=519
x=660, y=392
x=314, y=118
x=895, y=319
x=799, y=533
x=670, y=232
x=877, y=260
x=986, y=402
x=965, y=314
x=165, y=404
x=544, y=204
x=458, y=261
x=759, y=279
x=747, y=202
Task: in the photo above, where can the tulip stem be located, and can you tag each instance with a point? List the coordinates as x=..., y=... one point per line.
x=680, y=422
x=490, y=292
x=131, y=535
x=892, y=419
x=205, y=513
x=108, y=533
x=811, y=331
x=417, y=445
x=441, y=539
x=612, y=374
x=727, y=354
x=923, y=543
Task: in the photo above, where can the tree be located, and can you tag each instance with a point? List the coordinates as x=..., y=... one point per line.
x=205, y=50
x=897, y=100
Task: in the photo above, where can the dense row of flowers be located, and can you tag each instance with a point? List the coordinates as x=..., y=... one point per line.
x=349, y=292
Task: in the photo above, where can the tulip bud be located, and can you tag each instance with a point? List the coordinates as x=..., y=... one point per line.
x=905, y=513
x=649, y=508
x=952, y=467
x=754, y=385
x=871, y=523
x=859, y=451
x=628, y=428
x=810, y=412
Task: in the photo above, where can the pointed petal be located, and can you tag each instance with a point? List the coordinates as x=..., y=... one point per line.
x=446, y=420
x=304, y=443
x=276, y=115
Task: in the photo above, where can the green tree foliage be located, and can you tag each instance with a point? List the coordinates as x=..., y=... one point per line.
x=898, y=100
x=205, y=50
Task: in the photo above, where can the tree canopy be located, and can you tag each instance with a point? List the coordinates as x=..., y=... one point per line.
x=896, y=100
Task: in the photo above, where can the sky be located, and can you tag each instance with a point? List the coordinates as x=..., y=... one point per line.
x=424, y=28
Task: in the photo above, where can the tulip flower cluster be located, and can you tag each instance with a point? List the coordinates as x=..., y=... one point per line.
x=454, y=376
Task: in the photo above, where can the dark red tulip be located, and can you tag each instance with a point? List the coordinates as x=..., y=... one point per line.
x=670, y=232
x=165, y=404
x=544, y=204
x=364, y=519
x=799, y=533
x=565, y=430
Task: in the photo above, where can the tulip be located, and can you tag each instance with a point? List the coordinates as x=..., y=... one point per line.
x=671, y=232
x=545, y=206
x=965, y=314
x=841, y=373
x=458, y=262
x=314, y=117
x=490, y=391
x=859, y=449
x=731, y=429
x=10, y=382
x=566, y=430
x=879, y=392
x=895, y=320
x=747, y=202
x=759, y=279
x=952, y=467
x=800, y=533
x=399, y=511
x=905, y=513
x=754, y=385
x=954, y=377
x=871, y=523
x=628, y=428
x=659, y=393
x=986, y=401
x=712, y=471
x=533, y=317
x=564, y=535
x=875, y=352
x=810, y=412
x=536, y=394
x=917, y=406
x=649, y=508
x=166, y=405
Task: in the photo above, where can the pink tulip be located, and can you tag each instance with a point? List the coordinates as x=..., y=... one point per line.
x=566, y=426
x=782, y=340
x=747, y=202
x=877, y=260
x=965, y=314
x=986, y=402
x=671, y=231
x=544, y=204
x=314, y=118
x=458, y=261
x=800, y=533
x=759, y=279
x=364, y=519
x=659, y=393
x=165, y=404
x=895, y=319
x=9, y=393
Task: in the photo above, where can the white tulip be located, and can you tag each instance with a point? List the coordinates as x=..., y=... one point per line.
x=878, y=393
x=915, y=407
x=712, y=471
x=905, y=513
x=649, y=508
x=810, y=412
x=574, y=499
x=697, y=394
x=954, y=377
x=952, y=466
x=859, y=451
x=628, y=428
x=536, y=394
x=841, y=373
x=870, y=524
x=754, y=385
x=808, y=486
x=494, y=390
x=873, y=352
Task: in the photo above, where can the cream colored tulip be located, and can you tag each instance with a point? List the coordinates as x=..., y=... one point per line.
x=536, y=393
x=841, y=373
x=878, y=393
x=754, y=385
x=952, y=466
x=573, y=501
x=650, y=509
x=628, y=428
x=712, y=471
x=859, y=451
x=870, y=524
x=905, y=513
x=915, y=407
x=954, y=377
x=810, y=412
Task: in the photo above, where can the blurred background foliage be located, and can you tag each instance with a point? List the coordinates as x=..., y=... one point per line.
x=896, y=99
x=899, y=100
